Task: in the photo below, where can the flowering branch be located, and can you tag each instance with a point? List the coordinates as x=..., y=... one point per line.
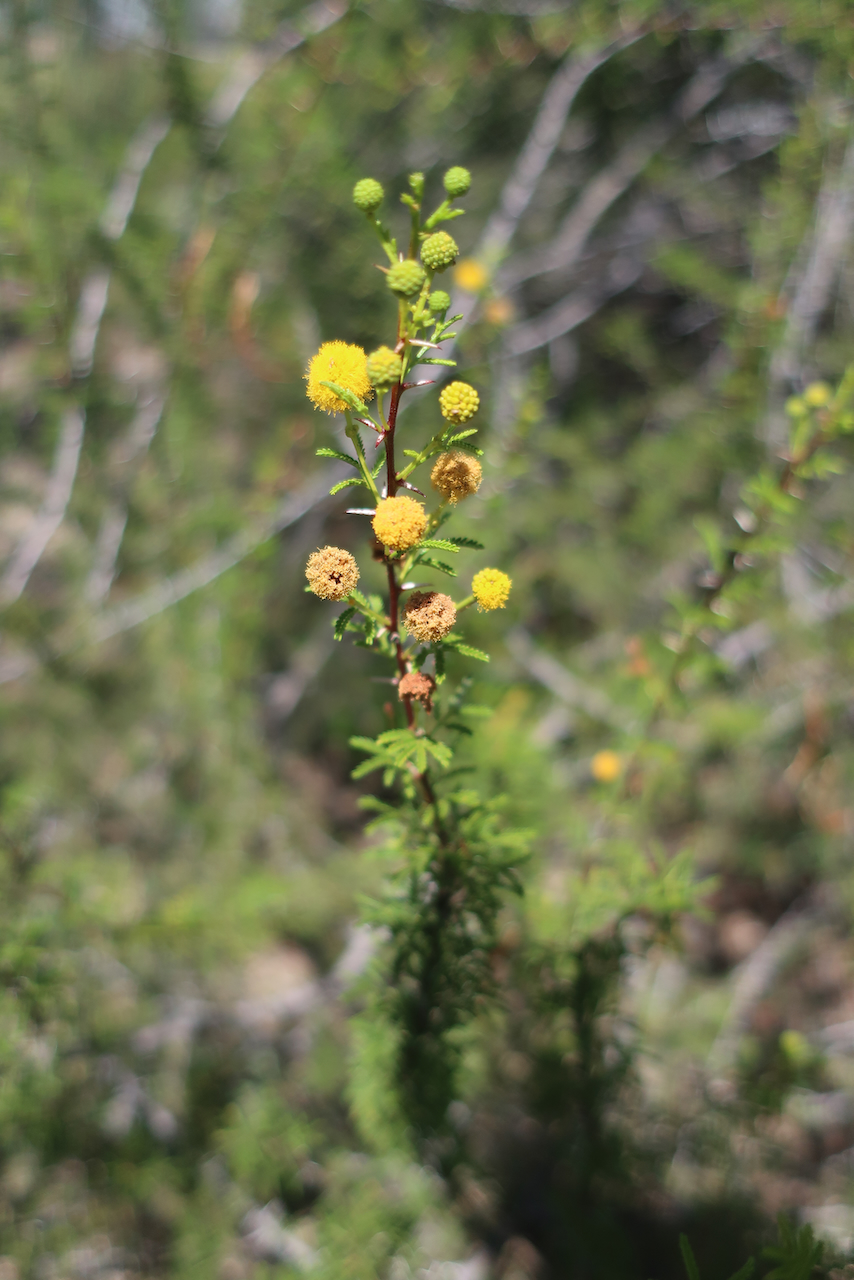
x=453, y=862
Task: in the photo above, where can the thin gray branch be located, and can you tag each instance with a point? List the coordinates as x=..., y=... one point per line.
x=616, y=178
x=252, y=64
x=114, y=520
x=570, y=312
x=138, y=156
x=205, y=570
x=45, y=524
x=285, y=691
x=533, y=159
x=87, y=322
x=755, y=977
x=95, y=290
x=825, y=251
x=566, y=687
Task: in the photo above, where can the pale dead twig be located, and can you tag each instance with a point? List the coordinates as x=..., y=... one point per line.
x=825, y=251
x=95, y=289
x=539, y=146
x=138, y=156
x=573, y=310
x=31, y=547
x=252, y=64
x=114, y=520
x=566, y=687
x=615, y=179
x=755, y=977
x=170, y=590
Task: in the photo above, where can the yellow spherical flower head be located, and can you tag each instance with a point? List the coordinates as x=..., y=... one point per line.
x=456, y=475
x=606, y=766
x=470, y=275
x=429, y=615
x=332, y=573
x=399, y=522
x=491, y=589
x=458, y=402
x=342, y=363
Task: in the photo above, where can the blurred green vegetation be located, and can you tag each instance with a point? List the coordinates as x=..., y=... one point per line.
x=182, y=856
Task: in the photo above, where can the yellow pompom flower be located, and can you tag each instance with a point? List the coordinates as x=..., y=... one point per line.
x=606, y=766
x=470, y=275
x=342, y=363
x=458, y=402
x=456, y=475
x=491, y=589
x=399, y=522
x=332, y=573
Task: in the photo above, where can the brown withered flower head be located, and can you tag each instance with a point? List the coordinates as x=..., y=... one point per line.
x=456, y=475
x=418, y=686
x=429, y=615
x=332, y=573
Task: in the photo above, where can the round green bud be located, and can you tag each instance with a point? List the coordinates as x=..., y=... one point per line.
x=439, y=251
x=457, y=181
x=384, y=367
x=406, y=278
x=439, y=302
x=368, y=195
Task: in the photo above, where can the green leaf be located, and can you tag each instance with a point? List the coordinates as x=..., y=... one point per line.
x=689, y=1259
x=467, y=542
x=440, y=751
x=436, y=564
x=451, y=364
x=345, y=484
x=463, y=435
x=336, y=453
x=347, y=396
x=440, y=544
x=341, y=623
x=468, y=652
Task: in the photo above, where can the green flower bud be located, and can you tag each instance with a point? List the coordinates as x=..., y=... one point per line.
x=384, y=367
x=439, y=251
x=406, y=278
x=458, y=402
x=368, y=195
x=439, y=302
x=457, y=181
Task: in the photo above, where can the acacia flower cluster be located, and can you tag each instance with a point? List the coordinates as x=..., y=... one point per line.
x=440, y=939
x=415, y=627
x=341, y=363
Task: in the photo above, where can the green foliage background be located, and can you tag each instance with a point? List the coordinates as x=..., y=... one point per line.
x=182, y=855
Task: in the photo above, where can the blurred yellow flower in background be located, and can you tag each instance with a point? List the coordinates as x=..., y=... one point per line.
x=471, y=275
x=606, y=766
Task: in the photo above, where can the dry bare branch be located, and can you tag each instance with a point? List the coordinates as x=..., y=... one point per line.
x=824, y=251
x=616, y=178
x=755, y=977
x=566, y=687
x=138, y=156
x=205, y=570
x=252, y=64
x=114, y=520
x=46, y=522
x=533, y=159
